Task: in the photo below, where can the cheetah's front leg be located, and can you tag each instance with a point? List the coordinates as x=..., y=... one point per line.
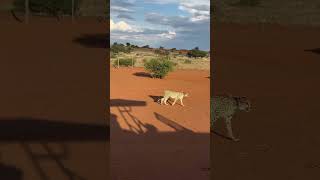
x=181, y=102
x=229, y=128
x=174, y=102
x=165, y=101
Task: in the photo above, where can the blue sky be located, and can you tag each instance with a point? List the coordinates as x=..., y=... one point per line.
x=181, y=24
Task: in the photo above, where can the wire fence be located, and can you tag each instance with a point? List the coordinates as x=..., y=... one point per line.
x=23, y=10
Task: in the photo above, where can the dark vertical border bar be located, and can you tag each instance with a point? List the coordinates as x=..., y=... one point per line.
x=211, y=79
x=108, y=86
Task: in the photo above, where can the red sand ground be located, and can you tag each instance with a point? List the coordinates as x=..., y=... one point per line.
x=280, y=138
x=150, y=141
x=47, y=82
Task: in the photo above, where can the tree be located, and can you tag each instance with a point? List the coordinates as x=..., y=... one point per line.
x=117, y=48
x=197, y=53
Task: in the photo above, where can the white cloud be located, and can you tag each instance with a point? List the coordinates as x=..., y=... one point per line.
x=193, y=27
x=199, y=10
x=122, y=26
x=168, y=35
x=152, y=37
x=120, y=9
x=162, y=1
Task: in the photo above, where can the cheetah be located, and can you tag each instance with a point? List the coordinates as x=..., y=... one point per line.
x=224, y=107
x=174, y=95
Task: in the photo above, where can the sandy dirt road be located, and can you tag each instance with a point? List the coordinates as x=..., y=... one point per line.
x=150, y=141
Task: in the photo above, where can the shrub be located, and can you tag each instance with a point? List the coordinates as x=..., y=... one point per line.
x=173, y=49
x=159, y=67
x=117, y=48
x=144, y=60
x=126, y=62
x=162, y=52
x=187, y=61
x=197, y=53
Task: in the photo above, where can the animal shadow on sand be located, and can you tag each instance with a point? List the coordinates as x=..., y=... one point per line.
x=140, y=131
x=316, y=50
x=221, y=135
x=155, y=98
x=142, y=74
x=93, y=40
x=24, y=130
x=8, y=172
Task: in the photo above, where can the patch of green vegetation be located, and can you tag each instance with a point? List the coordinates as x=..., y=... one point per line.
x=125, y=62
x=118, y=47
x=159, y=67
x=197, y=53
x=163, y=52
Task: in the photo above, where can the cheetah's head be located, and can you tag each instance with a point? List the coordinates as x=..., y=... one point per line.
x=243, y=103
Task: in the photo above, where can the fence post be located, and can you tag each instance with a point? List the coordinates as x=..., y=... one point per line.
x=118, y=62
x=132, y=62
x=72, y=11
x=26, y=18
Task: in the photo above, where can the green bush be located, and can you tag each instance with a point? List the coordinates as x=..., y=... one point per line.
x=162, y=52
x=126, y=62
x=159, y=67
x=47, y=6
x=144, y=60
x=197, y=53
x=117, y=48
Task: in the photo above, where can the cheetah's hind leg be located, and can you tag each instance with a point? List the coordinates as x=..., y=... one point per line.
x=229, y=128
